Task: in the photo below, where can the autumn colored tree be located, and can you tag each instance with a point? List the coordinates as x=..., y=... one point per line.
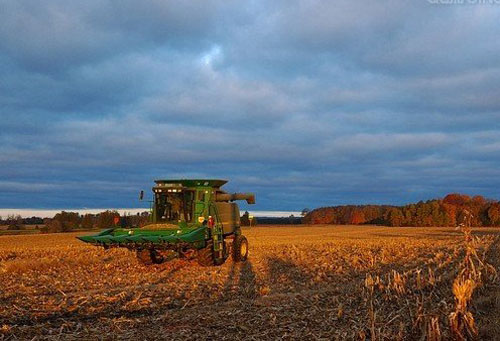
x=53, y=226
x=357, y=217
x=88, y=221
x=451, y=214
x=394, y=217
x=494, y=215
x=457, y=199
x=446, y=212
x=106, y=219
x=66, y=221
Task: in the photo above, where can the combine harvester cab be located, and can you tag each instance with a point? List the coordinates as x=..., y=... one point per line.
x=190, y=219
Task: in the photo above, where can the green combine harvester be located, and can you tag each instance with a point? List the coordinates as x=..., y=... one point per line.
x=190, y=219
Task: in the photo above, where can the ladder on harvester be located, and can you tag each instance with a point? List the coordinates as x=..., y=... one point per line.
x=217, y=234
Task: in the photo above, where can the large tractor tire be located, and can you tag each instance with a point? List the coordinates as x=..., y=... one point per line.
x=205, y=256
x=240, y=249
x=148, y=257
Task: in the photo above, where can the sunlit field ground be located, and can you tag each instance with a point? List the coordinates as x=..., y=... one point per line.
x=331, y=282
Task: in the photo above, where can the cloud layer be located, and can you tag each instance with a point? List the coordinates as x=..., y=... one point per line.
x=306, y=103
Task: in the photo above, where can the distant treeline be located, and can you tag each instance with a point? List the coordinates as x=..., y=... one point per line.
x=291, y=220
x=69, y=221
x=452, y=210
x=18, y=220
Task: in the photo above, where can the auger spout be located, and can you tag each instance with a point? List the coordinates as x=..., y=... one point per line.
x=249, y=197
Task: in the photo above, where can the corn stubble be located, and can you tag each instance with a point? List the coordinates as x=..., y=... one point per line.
x=331, y=282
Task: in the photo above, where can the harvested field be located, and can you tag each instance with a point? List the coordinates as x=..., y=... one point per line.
x=331, y=282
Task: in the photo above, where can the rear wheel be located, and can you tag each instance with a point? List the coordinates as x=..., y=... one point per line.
x=240, y=249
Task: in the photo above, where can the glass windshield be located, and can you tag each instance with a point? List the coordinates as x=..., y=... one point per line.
x=174, y=207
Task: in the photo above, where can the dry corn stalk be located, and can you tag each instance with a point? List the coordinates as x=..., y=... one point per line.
x=433, y=329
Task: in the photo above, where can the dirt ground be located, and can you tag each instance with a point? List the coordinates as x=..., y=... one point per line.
x=321, y=282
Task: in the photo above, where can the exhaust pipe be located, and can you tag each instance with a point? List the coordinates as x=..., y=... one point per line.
x=249, y=197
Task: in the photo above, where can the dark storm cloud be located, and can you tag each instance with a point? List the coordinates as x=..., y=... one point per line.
x=306, y=103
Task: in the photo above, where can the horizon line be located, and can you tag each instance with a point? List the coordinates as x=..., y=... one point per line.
x=49, y=213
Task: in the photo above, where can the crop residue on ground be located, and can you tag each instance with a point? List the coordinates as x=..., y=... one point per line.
x=330, y=282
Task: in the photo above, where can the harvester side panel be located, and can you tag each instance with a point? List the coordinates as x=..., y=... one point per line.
x=229, y=214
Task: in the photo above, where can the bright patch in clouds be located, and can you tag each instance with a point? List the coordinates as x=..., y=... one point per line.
x=214, y=55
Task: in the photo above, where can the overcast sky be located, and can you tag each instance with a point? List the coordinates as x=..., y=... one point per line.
x=305, y=103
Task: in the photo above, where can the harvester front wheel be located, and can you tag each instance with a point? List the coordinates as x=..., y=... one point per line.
x=148, y=257
x=205, y=256
x=240, y=249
